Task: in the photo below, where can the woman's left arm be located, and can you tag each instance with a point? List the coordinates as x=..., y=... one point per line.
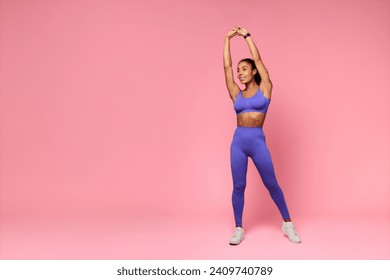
x=257, y=59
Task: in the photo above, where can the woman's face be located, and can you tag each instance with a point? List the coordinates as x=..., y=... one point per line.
x=244, y=72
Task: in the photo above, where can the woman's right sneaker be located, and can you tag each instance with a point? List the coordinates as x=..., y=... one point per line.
x=237, y=237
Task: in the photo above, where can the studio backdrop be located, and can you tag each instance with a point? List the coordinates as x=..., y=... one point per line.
x=119, y=110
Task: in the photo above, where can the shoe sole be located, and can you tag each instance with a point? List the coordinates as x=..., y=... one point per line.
x=234, y=244
x=285, y=233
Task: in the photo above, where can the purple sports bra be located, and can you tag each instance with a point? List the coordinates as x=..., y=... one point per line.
x=255, y=103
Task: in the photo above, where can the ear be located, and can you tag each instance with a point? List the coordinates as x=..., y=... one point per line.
x=254, y=71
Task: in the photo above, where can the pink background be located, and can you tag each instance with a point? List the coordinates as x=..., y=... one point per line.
x=116, y=127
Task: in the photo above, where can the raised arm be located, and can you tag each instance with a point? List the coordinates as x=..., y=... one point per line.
x=265, y=80
x=231, y=85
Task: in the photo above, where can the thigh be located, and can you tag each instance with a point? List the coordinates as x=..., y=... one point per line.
x=238, y=163
x=261, y=157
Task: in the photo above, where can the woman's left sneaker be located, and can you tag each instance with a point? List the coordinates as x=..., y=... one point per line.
x=289, y=230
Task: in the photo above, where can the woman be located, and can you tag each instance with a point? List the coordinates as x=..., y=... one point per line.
x=251, y=106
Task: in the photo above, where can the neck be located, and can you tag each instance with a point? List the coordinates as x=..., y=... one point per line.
x=251, y=86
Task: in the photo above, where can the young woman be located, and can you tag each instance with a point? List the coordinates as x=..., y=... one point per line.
x=251, y=105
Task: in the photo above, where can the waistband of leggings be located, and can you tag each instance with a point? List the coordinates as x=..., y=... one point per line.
x=250, y=127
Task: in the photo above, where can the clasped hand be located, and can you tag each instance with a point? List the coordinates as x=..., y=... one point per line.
x=236, y=31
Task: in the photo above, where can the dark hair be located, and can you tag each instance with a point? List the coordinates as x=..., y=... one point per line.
x=252, y=63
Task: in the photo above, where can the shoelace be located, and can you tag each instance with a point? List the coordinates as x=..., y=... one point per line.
x=236, y=232
x=291, y=230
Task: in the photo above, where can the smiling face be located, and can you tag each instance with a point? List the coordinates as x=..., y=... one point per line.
x=245, y=73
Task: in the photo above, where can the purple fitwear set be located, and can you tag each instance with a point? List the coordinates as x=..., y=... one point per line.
x=250, y=142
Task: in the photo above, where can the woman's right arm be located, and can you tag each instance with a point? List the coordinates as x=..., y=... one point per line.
x=227, y=63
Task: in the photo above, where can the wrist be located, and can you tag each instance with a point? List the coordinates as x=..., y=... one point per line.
x=246, y=35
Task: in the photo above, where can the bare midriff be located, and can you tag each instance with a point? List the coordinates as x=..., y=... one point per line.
x=251, y=119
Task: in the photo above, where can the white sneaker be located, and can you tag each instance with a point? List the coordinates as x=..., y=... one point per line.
x=289, y=230
x=237, y=237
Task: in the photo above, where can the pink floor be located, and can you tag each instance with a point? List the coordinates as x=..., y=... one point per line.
x=195, y=238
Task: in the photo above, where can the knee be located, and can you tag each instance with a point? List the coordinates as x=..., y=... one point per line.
x=272, y=186
x=239, y=187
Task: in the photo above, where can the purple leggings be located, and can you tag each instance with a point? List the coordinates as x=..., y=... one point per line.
x=250, y=142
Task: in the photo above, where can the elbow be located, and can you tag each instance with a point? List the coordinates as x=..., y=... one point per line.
x=227, y=62
x=257, y=59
